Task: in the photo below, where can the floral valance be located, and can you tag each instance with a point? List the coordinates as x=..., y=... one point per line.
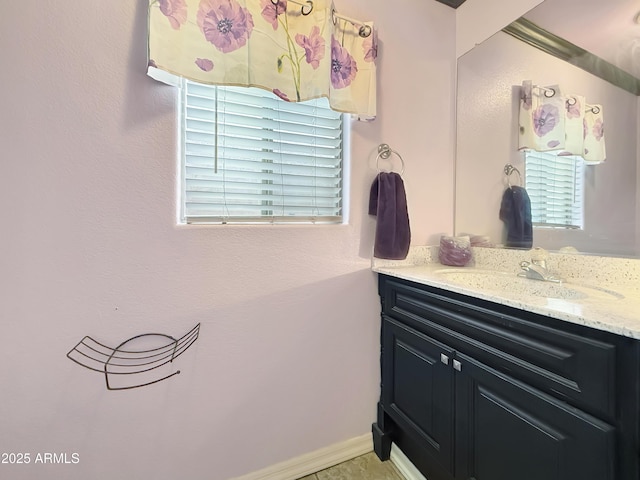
x=550, y=121
x=299, y=50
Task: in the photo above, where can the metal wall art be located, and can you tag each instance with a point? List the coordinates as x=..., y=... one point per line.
x=139, y=361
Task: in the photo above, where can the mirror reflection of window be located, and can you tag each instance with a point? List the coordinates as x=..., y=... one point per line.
x=555, y=185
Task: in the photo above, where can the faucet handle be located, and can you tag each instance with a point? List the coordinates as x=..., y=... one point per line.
x=539, y=257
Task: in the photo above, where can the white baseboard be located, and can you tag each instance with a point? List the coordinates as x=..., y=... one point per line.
x=404, y=465
x=314, y=461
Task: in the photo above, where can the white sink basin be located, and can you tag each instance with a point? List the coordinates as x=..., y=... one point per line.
x=509, y=282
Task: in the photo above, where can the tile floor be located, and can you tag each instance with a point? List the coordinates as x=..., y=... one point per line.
x=365, y=467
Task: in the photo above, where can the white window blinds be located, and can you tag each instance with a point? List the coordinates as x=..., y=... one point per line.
x=556, y=188
x=250, y=157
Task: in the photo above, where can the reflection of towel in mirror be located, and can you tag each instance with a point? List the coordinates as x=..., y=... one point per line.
x=515, y=212
x=388, y=202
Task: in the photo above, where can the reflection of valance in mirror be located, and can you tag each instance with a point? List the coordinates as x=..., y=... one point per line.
x=565, y=124
x=297, y=49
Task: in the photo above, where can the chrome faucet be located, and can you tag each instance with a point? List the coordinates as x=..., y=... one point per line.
x=536, y=269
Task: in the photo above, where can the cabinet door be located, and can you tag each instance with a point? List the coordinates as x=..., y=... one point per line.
x=508, y=430
x=417, y=389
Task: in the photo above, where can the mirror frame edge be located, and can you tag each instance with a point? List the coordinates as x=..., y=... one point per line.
x=538, y=37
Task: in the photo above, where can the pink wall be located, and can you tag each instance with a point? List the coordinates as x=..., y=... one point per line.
x=287, y=362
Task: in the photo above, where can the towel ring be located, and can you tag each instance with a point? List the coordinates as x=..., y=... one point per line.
x=508, y=170
x=384, y=152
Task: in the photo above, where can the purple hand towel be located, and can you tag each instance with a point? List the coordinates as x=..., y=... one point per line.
x=515, y=212
x=388, y=202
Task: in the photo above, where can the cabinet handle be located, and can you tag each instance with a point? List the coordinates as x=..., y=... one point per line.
x=457, y=365
x=444, y=359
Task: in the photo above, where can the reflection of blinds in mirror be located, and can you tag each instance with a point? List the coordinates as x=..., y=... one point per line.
x=556, y=188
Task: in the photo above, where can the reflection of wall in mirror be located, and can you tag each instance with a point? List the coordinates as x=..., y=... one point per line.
x=477, y=20
x=489, y=77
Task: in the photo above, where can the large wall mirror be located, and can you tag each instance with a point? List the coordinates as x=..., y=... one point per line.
x=489, y=79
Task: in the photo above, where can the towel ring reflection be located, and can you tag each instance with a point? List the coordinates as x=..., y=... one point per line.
x=384, y=152
x=508, y=170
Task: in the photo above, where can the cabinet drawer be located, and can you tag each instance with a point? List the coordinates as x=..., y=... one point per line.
x=569, y=363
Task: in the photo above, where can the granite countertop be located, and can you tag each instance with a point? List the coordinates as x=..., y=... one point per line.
x=604, y=291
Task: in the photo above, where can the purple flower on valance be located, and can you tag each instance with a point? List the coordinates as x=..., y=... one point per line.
x=281, y=94
x=225, y=24
x=544, y=119
x=343, y=66
x=573, y=108
x=205, y=64
x=313, y=46
x=598, y=129
x=270, y=11
x=299, y=52
x=175, y=11
x=370, y=47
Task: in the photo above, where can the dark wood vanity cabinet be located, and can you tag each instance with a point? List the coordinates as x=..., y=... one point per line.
x=475, y=390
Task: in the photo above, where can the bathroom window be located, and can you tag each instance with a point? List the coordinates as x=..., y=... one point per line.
x=249, y=157
x=555, y=186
